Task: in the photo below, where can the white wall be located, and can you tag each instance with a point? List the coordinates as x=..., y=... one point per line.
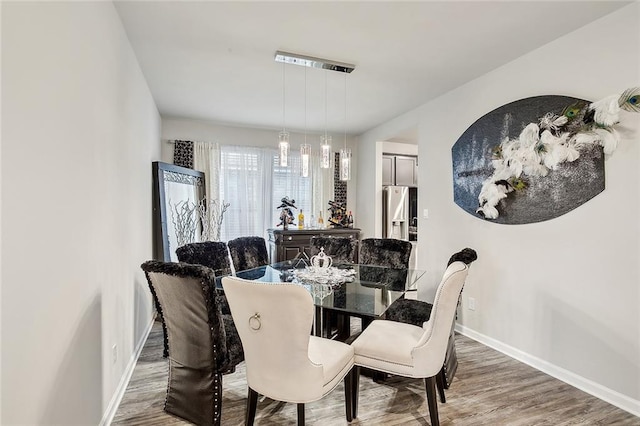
x=371, y=145
x=198, y=130
x=80, y=130
x=563, y=294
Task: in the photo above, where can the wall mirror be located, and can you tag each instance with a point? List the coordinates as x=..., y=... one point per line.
x=174, y=188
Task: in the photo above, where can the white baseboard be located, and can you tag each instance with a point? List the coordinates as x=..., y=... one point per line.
x=110, y=413
x=612, y=397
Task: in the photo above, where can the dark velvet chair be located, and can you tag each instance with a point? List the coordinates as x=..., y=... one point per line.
x=203, y=343
x=214, y=255
x=387, y=278
x=340, y=249
x=417, y=312
x=248, y=253
x=208, y=253
x=385, y=252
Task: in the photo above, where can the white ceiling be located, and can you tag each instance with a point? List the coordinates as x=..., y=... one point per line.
x=215, y=60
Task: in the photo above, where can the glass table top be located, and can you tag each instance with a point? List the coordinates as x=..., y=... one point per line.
x=372, y=289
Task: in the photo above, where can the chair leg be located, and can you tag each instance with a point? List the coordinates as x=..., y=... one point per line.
x=440, y=385
x=348, y=395
x=355, y=388
x=430, y=384
x=252, y=405
x=300, y=414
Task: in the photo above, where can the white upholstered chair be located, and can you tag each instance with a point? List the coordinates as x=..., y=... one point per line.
x=411, y=351
x=283, y=361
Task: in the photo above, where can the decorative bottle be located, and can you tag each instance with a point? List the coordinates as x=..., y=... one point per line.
x=320, y=221
x=301, y=220
x=350, y=220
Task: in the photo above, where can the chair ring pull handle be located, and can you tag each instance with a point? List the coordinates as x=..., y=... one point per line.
x=254, y=322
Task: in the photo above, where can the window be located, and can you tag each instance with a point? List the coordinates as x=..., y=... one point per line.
x=288, y=183
x=253, y=182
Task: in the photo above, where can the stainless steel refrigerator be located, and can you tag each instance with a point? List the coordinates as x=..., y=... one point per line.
x=399, y=212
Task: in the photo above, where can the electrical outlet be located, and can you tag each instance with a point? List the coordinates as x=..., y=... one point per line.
x=114, y=353
x=472, y=304
x=425, y=213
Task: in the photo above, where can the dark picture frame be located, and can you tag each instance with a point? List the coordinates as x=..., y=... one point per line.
x=171, y=184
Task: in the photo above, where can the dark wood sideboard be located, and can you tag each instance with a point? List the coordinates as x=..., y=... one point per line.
x=286, y=245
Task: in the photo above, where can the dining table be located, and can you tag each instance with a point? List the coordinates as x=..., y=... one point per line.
x=358, y=290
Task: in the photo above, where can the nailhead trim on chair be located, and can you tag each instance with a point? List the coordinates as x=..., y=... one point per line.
x=222, y=359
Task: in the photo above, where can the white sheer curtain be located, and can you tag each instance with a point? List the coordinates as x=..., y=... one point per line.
x=252, y=180
x=206, y=158
x=287, y=182
x=245, y=183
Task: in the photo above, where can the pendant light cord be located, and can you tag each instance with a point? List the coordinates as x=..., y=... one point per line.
x=325, y=103
x=283, y=98
x=345, y=110
x=305, y=105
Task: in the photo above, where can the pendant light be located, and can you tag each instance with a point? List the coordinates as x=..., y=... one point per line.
x=325, y=140
x=326, y=160
x=283, y=137
x=345, y=153
x=305, y=148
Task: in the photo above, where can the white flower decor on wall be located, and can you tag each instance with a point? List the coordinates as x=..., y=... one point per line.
x=537, y=158
x=543, y=146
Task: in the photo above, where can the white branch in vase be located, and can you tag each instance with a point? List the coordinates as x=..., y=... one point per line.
x=211, y=215
x=185, y=221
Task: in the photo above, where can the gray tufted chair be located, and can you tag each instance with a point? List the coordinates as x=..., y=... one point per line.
x=248, y=253
x=203, y=343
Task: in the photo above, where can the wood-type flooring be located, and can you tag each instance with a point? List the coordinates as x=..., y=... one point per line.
x=489, y=388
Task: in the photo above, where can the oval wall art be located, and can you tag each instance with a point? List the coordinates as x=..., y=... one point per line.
x=536, y=158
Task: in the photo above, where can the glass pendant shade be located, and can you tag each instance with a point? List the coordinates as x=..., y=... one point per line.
x=345, y=164
x=283, y=148
x=325, y=152
x=305, y=156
